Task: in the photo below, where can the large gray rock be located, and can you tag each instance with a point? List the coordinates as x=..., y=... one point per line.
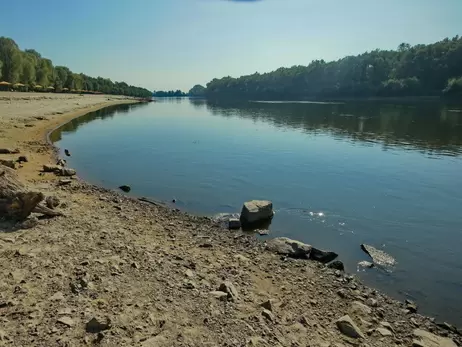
x=289, y=247
x=426, y=339
x=346, y=325
x=378, y=256
x=256, y=211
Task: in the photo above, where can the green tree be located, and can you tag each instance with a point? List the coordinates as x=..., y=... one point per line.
x=197, y=90
x=10, y=55
x=28, y=75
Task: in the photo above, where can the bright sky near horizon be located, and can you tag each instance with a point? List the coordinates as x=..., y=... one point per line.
x=174, y=44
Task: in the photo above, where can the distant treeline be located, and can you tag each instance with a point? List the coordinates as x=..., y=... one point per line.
x=28, y=70
x=170, y=93
x=421, y=70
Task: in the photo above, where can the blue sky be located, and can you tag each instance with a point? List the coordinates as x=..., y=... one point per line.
x=170, y=44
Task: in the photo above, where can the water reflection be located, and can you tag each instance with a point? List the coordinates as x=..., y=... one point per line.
x=430, y=127
x=104, y=113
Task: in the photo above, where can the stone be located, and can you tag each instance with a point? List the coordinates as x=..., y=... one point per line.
x=378, y=256
x=219, y=295
x=52, y=202
x=268, y=304
x=66, y=321
x=347, y=327
x=268, y=315
x=365, y=264
x=64, y=182
x=372, y=302
x=411, y=306
x=95, y=325
x=29, y=223
x=9, y=163
x=337, y=265
x=51, y=168
x=230, y=290
x=360, y=309
x=289, y=247
x=384, y=332
x=65, y=171
x=61, y=162
x=58, y=296
x=256, y=211
x=388, y=326
x=427, y=339
x=322, y=256
x=190, y=284
x=9, y=151
x=66, y=152
x=189, y=273
x=234, y=223
x=125, y=188
x=343, y=293
x=23, y=159
x=242, y=259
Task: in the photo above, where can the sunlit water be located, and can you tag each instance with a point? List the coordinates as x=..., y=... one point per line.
x=338, y=174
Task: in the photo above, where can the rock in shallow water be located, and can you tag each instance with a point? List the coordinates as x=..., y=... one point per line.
x=256, y=211
x=378, y=256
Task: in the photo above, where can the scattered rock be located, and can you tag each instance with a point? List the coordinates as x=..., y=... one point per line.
x=372, y=302
x=365, y=264
x=23, y=159
x=379, y=257
x=322, y=256
x=343, y=293
x=66, y=321
x=9, y=151
x=218, y=294
x=52, y=202
x=346, y=325
x=360, y=309
x=426, y=339
x=52, y=168
x=230, y=289
x=411, y=306
x=388, y=326
x=67, y=172
x=384, y=332
x=256, y=211
x=95, y=326
x=58, y=296
x=234, y=223
x=337, y=265
x=267, y=305
x=289, y=247
x=125, y=188
x=268, y=315
x=9, y=163
x=29, y=223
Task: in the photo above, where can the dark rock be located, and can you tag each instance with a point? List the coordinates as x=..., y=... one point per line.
x=23, y=159
x=52, y=202
x=337, y=265
x=267, y=305
x=9, y=163
x=268, y=315
x=95, y=326
x=125, y=188
x=234, y=223
x=256, y=211
x=67, y=172
x=322, y=256
x=9, y=151
x=66, y=152
x=289, y=247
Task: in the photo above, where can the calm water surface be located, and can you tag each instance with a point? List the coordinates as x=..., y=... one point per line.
x=339, y=174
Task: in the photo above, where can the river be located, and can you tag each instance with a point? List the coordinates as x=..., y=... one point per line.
x=339, y=174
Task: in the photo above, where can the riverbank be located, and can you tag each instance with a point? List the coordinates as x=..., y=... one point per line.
x=155, y=272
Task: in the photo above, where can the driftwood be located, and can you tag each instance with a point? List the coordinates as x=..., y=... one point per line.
x=16, y=202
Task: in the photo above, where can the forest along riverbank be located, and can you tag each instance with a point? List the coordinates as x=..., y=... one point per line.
x=118, y=271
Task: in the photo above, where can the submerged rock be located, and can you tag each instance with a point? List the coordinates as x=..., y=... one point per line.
x=125, y=188
x=256, y=211
x=378, y=256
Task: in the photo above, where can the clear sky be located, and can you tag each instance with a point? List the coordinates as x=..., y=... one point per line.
x=174, y=44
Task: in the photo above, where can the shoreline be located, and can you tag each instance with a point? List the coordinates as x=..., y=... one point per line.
x=108, y=241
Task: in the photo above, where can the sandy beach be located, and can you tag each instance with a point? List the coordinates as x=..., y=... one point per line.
x=115, y=271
